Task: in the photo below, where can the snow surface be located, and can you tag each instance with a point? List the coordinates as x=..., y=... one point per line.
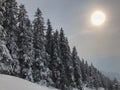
x=14, y=83
x=85, y=88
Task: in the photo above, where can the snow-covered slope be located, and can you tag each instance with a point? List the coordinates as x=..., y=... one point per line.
x=14, y=83
x=85, y=88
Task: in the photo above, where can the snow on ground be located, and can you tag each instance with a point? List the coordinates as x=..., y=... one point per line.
x=85, y=88
x=14, y=83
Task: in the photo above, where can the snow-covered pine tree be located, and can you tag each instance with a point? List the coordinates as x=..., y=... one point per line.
x=84, y=70
x=9, y=24
x=56, y=62
x=24, y=42
x=2, y=10
x=90, y=82
x=49, y=39
x=108, y=83
x=99, y=76
x=67, y=61
x=77, y=69
x=96, y=79
x=116, y=84
x=41, y=72
x=6, y=61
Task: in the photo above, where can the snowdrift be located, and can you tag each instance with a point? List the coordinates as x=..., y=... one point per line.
x=13, y=83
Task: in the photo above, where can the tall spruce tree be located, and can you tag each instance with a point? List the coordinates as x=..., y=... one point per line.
x=24, y=42
x=41, y=72
x=56, y=62
x=5, y=58
x=2, y=10
x=90, y=82
x=67, y=61
x=84, y=70
x=49, y=39
x=77, y=70
x=9, y=24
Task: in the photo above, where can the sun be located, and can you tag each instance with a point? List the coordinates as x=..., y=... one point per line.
x=98, y=18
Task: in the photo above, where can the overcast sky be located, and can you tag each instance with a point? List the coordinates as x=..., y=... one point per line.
x=100, y=45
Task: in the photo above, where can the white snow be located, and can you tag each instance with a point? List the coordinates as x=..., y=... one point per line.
x=14, y=83
x=85, y=88
x=5, y=50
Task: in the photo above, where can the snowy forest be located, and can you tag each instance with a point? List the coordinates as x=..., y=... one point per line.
x=32, y=50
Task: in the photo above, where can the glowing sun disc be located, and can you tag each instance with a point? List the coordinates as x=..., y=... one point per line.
x=98, y=18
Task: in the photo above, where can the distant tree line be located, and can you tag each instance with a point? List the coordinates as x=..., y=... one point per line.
x=35, y=52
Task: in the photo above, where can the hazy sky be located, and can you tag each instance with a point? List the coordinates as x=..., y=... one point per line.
x=101, y=45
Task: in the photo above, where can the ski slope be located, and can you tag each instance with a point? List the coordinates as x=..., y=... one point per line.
x=14, y=83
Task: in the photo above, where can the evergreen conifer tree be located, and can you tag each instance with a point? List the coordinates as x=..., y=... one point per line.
x=67, y=60
x=77, y=70
x=9, y=13
x=24, y=42
x=49, y=39
x=56, y=62
x=41, y=72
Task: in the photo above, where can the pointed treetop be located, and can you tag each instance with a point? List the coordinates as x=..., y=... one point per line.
x=22, y=10
x=92, y=64
x=49, y=26
x=38, y=13
x=61, y=32
x=74, y=52
x=86, y=63
x=61, y=29
x=56, y=33
x=48, y=22
x=83, y=60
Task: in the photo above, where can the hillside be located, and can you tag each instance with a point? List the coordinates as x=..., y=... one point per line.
x=13, y=83
x=33, y=51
